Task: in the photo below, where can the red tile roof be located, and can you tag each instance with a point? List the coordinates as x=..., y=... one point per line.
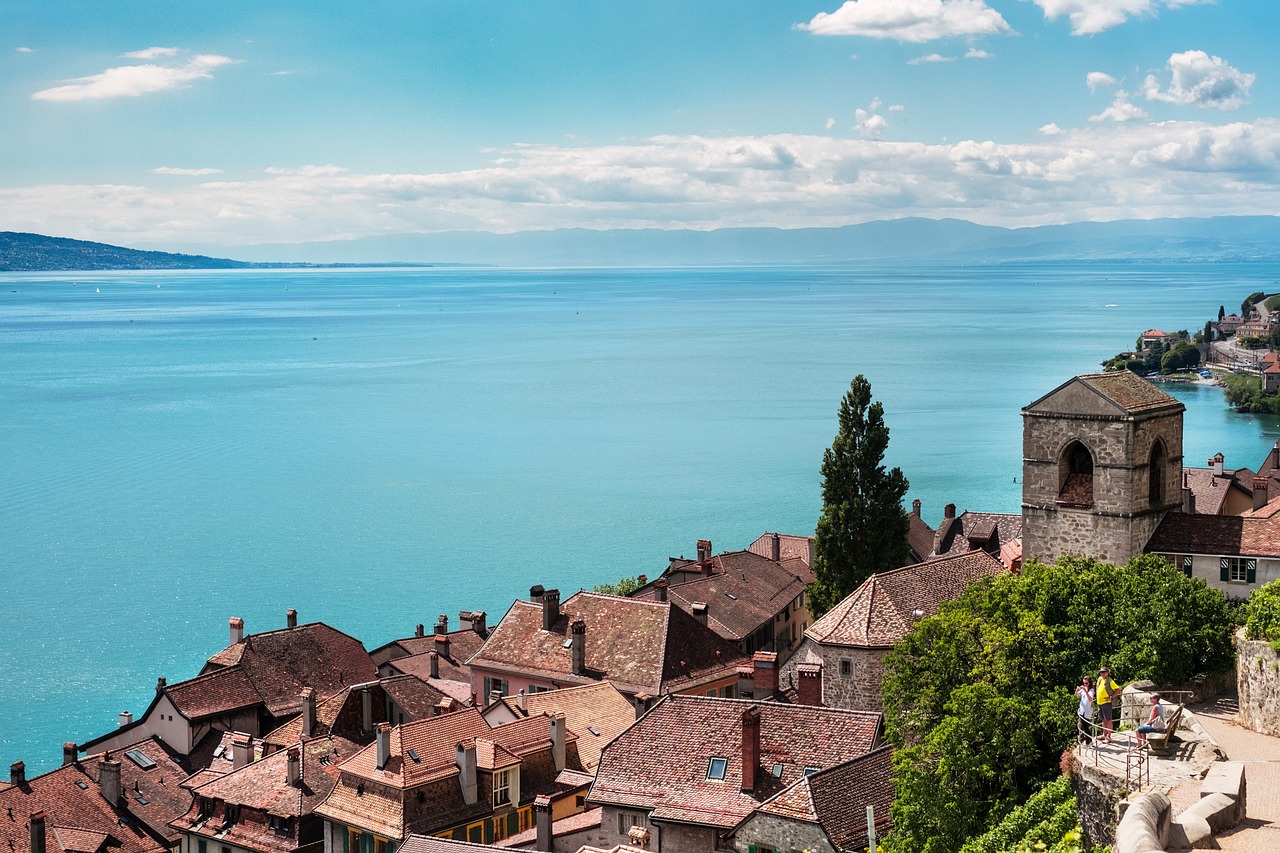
x=883, y=609
x=1254, y=534
x=592, y=706
x=1123, y=389
x=1211, y=491
x=661, y=763
x=214, y=694
x=837, y=798
x=791, y=547
x=973, y=530
x=343, y=713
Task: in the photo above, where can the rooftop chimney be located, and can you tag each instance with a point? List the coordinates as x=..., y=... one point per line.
x=766, y=674
x=660, y=589
x=433, y=660
x=949, y=511
x=1217, y=462
x=520, y=699
x=775, y=548
x=366, y=711
x=746, y=682
x=308, y=697
x=915, y=507
x=161, y=683
x=536, y=592
x=17, y=774
x=1275, y=455
x=579, y=642
x=237, y=629
x=442, y=643
x=291, y=618
x=126, y=718
x=642, y=701
x=293, y=766
x=639, y=837
x=479, y=622
x=109, y=779
x=642, y=580
x=37, y=832
x=69, y=753
x=557, y=741
x=704, y=553
x=550, y=608
x=750, y=748
x=1260, y=487
x=495, y=695
x=241, y=751
x=442, y=624
x=1188, y=501
x=384, y=745
x=542, y=819
x=419, y=630
x=809, y=684
x=700, y=611
x=467, y=778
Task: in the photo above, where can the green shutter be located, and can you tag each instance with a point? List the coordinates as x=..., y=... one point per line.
x=1224, y=564
x=751, y=848
x=476, y=835
x=488, y=832
x=460, y=834
x=513, y=823
x=346, y=840
x=1186, y=565
x=1251, y=570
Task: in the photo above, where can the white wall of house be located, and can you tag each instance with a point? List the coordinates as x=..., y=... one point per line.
x=163, y=722
x=1209, y=569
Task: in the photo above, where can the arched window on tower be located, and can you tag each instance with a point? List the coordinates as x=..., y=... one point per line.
x=1076, y=475
x=1156, y=474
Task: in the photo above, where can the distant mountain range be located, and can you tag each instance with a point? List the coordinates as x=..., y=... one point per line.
x=1222, y=238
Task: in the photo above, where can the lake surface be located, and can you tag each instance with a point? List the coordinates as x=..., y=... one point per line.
x=375, y=447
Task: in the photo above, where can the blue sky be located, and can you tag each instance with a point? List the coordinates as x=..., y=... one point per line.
x=232, y=123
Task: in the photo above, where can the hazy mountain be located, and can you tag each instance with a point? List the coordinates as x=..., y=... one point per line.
x=930, y=240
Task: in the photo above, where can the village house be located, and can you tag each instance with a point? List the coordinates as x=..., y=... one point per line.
x=1152, y=337
x=110, y=802
x=596, y=713
x=1228, y=325
x=1253, y=329
x=850, y=642
x=754, y=602
x=1215, y=490
x=251, y=686
x=1235, y=554
x=645, y=648
x=969, y=531
x=694, y=768
x=450, y=775
x=438, y=658
x=824, y=812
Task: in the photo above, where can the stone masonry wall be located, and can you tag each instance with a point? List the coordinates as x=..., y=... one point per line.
x=1258, y=683
x=765, y=831
x=858, y=691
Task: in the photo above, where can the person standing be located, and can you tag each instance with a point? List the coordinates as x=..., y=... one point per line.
x=1108, y=691
x=1084, y=713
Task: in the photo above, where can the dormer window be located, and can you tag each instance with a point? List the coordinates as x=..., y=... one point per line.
x=501, y=788
x=279, y=824
x=233, y=813
x=206, y=808
x=716, y=768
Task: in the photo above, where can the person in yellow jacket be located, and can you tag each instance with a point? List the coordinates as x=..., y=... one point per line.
x=1108, y=691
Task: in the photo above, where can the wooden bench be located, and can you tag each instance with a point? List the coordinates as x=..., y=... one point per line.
x=1158, y=742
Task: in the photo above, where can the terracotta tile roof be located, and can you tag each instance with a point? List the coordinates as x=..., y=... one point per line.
x=593, y=706
x=882, y=610
x=1129, y=393
x=1156, y=333
x=454, y=680
x=970, y=531
x=80, y=820
x=661, y=763
x=343, y=713
x=280, y=663
x=790, y=547
x=640, y=646
x=837, y=798
x=571, y=825
x=433, y=739
x=219, y=692
x=1211, y=491
x=919, y=536
x=1254, y=534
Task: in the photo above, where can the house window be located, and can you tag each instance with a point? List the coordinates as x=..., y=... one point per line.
x=206, y=810
x=626, y=820
x=279, y=824
x=846, y=667
x=233, y=813
x=1238, y=569
x=202, y=846
x=491, y=684
x=525, y=817
x=499, y=828
x=501, y=788
x=538, y=688
x=716, y=768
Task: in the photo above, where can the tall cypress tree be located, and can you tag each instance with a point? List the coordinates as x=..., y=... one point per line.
x=863, y=526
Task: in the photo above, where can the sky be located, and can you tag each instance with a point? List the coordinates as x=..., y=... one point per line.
x=174, y=122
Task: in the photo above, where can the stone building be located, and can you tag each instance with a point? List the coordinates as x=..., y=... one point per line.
x=1101, y=465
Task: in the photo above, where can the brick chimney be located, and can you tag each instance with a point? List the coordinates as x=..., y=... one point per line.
x=1260, y=487
x=17, y=774
x=442, y=641
x=467, y=777
x=237, y=629
x=809, y=684
x=704, y=556
x=765, y=674
x=536, y=592
x=366, y=711
x=420, y=630
x=949, y=511
x=579, y=643
x=433, y=660
x=384, y=745
x=479, y=622
x=700, y=611
x=750, y=748
x=308, y=697
x=442, y=621
x=915, y=507
x=660, y=589
x=775, y=548
x=161, y=684
x=639, y=837
x=558, y=741
x=69, y=753
x=542, y=819
x=642, y=702
x=293, y=766
x=241, y=751
x=291, y=618
x=109, y=780
x=37, y=832
x=550, y=609
x=1275, y=455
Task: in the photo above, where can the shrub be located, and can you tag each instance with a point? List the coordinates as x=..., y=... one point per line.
x=1038, y=819
x=1262, y=614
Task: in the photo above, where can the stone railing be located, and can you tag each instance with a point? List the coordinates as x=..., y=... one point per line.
x=1149, y=827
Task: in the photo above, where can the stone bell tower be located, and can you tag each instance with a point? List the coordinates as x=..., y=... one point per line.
x=1101, y=464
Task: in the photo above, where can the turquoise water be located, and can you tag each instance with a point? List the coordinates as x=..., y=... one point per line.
x=377, y=447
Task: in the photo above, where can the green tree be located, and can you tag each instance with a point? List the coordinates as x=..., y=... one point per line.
x=1222, y=312
x=625, y=586
x=1208, y=331
x=863, y=527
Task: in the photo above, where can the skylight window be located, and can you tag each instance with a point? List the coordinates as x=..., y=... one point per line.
x=567, y=643
x=217, y=753
x=731, y=595
x=413, y=753
x=142, y=801
x=809, y=771
x=594, y=730
x=140, y=759
x=777, y=771
x=716, y=768
x=82, y=786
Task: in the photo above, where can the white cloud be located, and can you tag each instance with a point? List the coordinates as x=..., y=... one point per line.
x=830, y=123
x=909, y=20
x=23, y=49
x=153, y=53
x=1097, y=79
x=1104, y=170
x=177, y=170
x=896, y=108
x=1120, y=110
x=308, y=171
x=1200, y=80
x=1089, y=17
x=931, y=57
x=870, y=125
x=975, y=53
x=130, y=81
x=1050, y=129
